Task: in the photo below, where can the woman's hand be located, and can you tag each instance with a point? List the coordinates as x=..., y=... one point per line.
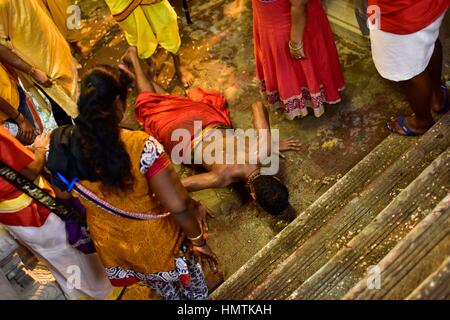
x=42, y=141
x=203, y=214
x=41, y=78
x=204, y=255
x=28, y=131
x=297, y=51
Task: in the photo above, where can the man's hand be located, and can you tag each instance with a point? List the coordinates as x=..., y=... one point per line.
x=28, y=131
x=289, y=144
x=41, y=78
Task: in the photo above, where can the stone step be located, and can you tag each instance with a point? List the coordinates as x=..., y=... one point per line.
x=349, y=265
x=332, y=235
x=425, y=249
x=255, y=271
x=336, y=209
x=436, y=286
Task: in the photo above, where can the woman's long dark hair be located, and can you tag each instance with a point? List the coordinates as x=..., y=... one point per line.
x=98, y=128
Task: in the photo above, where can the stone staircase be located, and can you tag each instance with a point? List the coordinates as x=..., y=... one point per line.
x=390, y=213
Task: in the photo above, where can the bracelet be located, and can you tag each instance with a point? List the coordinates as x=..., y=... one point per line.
x=196, y=238
x=291, y=46
x=199, y=245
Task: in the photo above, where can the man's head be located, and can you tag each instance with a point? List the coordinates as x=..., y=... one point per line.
x=271, y=194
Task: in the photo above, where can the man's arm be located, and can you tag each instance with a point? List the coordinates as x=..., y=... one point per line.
x=9, y=57
x=17, y=117
x=262, y=126
x=260, y=116
x=142, y=82
x=205, y=181
x=261, y=122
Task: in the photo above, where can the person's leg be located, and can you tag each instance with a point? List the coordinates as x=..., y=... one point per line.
x=182, y=73
x=158, y=88
x=361, y=16
x=151, y=69
x=418, y=92
x=435, y=70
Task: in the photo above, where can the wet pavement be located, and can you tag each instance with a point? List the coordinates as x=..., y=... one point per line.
x=217, y=49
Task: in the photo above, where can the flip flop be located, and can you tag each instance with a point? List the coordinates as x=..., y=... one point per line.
x=401, y=123
x=446, y=102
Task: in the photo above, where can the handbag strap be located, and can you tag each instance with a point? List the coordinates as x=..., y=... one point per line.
x=33, y=191
x=90, y=196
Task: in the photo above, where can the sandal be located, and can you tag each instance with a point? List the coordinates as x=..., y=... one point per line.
x=401, y=123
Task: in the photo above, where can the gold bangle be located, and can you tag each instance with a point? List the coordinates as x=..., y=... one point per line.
x=295, y=49
x=197, y=238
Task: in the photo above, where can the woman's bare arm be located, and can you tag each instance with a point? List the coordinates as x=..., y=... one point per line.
x=298, y=25
x=173, y=196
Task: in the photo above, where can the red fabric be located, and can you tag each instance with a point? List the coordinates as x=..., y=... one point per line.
x=279, y=70
x=34, y=215
x=407, y=16
x=161, y=114
x=160, y=164
x=124, y=282
x=16, y=156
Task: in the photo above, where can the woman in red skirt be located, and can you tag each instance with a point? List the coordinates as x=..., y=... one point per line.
x=296, y=59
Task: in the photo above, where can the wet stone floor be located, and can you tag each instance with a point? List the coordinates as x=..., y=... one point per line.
x=217, y=48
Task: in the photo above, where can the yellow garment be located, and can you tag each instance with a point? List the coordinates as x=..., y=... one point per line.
x=8, y=90
x=148, y=246
x=149, y=25
x=57, y=9
x=26, y=29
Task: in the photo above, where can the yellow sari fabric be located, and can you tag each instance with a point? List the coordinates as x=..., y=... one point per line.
x=147, y=25
x=57, y=9
x=8, y=90
x=148, y=246
x=26, y=29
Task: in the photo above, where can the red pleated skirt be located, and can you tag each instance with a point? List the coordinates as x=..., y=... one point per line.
x=293, y=84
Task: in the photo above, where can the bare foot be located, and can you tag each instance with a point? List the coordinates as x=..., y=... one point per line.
x=186, y=77
x=235, y=8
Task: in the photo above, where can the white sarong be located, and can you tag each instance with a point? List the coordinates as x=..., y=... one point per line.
x=402, y=57
x=79, y=275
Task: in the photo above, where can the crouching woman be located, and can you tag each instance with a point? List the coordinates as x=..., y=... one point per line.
x=128, y=185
